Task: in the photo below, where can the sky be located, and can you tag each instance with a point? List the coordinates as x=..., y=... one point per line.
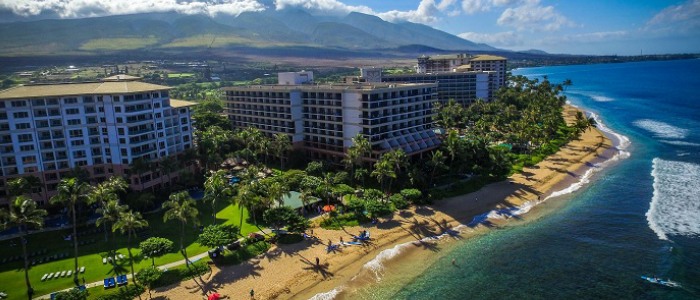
x=599, y=27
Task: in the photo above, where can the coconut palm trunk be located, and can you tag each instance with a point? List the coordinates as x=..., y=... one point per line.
x=23, y=241
x=75, y=248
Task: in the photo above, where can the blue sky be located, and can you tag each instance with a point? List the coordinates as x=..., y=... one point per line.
x=575, y=26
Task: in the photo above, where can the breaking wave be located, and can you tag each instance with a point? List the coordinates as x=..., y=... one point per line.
x=675, y=205
x=600, y=98
x=661, y=129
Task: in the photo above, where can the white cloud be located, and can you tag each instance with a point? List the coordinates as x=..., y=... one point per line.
x=532, y=16
x=499, y=39
x=474, y=6
x=677, y=18
x=91, y=8
x=428, y=12
x=325, y=6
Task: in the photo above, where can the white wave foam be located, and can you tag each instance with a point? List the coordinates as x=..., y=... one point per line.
x=328, y=295
x=661, y=129
x=600, y=98
x=376, y=265
x=680, y=143
x=505, y=213
x=675, y=205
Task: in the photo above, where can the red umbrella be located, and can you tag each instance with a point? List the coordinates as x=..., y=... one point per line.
x=214, y=296
x=328, y=208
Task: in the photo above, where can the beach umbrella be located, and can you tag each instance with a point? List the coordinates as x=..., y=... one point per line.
x=214, y=296
x=327, y=208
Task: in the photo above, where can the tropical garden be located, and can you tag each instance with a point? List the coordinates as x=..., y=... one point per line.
x=112, y=230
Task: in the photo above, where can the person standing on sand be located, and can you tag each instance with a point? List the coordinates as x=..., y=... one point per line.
x=317, y=261
x=252, y=294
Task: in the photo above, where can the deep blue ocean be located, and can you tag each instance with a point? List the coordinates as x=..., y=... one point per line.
x=637, y=216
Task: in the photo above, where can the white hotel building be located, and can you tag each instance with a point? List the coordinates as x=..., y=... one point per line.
x=323, y=118
x=46, y=130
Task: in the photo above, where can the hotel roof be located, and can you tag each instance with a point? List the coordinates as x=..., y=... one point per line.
x=181, y=103
x=327, y=87
x=486, y=57
x=76, y=89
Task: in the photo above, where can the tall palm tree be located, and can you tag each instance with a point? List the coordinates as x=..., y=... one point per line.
x=71, y=193
x=217, y=188
x=247, y=198
x=280, y=145
x=181, y=207
x=110, y=211
x=24, y=213
x=436, y=163
x=138, y=167
x=128, y=223
x=169, y=165
x=384, y=171
x=276, y=192
x=106, y=192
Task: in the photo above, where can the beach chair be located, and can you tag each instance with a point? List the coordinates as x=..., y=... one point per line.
x=112, y=282
x=104, y=260
x=106, y=281
x=82, y=269
x=62, y=274
x=122, y=280
x=69, y=273
x=121, y=256
x=44, y=277
x=50, y=276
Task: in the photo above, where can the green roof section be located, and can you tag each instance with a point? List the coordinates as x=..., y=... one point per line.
x=293, y=200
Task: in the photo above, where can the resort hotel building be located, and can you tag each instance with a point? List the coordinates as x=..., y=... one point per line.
x=461, y=77
x=46, y=130
x=322, y=119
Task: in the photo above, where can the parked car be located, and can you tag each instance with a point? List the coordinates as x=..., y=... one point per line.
x=234, y=246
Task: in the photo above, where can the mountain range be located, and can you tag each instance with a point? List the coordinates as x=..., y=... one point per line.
x=175, y=33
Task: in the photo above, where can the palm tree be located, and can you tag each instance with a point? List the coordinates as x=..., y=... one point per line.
x=247, y=198
x=24, y=213
x=169, y=165
x=138, y=167
x=71, y=193
x=181, y=207
x=216, y=188
x=23, y=185
x=128, y=223
x=276, y=192
x=384, y=171
x=110, y=211
x=104, y=193
x=436, y=163
x=280, y=145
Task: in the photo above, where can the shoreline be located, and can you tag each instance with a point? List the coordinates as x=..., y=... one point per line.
x=288, y=271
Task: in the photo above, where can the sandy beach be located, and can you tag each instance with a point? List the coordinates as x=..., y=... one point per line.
x=291, y=272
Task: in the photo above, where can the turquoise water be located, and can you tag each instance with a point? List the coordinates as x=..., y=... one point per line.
x=639, y=216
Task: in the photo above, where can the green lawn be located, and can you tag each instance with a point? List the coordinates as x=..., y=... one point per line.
x=12, y=274
x=180, y=75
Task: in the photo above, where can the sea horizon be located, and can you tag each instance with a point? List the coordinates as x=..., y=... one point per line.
x=399, y=273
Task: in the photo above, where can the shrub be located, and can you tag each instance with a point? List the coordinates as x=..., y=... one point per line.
x=399, y=201
x=126, y=292
x=355, y=206
x=348, y=219
x=290, y=238
x=414, y=196
x=72, y=294
x=244, y=253
x=377, y=208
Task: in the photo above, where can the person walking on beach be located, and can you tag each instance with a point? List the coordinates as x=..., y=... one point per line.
x=317, y=261
x=341, y=239
x=252, y=294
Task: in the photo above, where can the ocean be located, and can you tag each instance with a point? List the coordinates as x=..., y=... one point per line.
x=638, y=215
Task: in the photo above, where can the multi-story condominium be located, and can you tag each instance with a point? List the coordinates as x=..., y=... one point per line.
x=323, y=119
x=464, y=87
x=465, y=63
x=46, y=130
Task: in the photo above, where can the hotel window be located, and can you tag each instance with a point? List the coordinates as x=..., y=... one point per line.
x=3, y=116
x=18, y=103
x=76, y=133
x=22, y=126
x=21, y=114
x=74, y=122
x=26, y=148
x=38, y=102
x=52, y=101
x=118, y=109
x=120, y=131
x=77, y=143
x=116, y=98
x=29, y=159
x=88, y=99
x=70, y=100
x=72, y=111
